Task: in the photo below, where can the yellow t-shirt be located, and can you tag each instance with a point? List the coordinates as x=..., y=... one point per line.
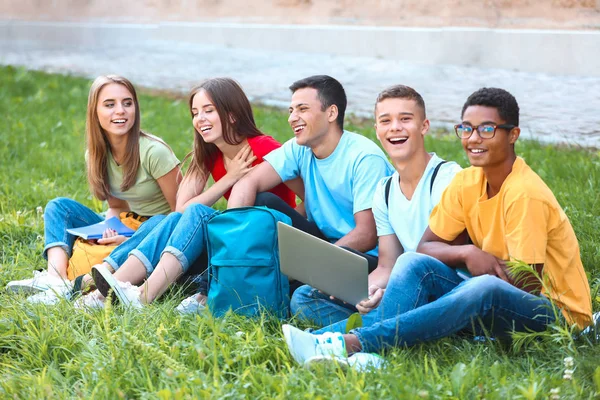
x=522, y=222
x=145, y=197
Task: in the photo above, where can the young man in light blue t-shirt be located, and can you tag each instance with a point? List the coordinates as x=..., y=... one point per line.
x=339, y=170
x=401, y=205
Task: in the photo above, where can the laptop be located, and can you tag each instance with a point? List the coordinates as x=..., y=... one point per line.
x=322, y=265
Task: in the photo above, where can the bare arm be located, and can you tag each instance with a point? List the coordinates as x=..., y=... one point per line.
x=193, y=190
x=116, y=207
x=389, y=251
x=169, y=183
x=364, y=236
x=301, y=209
x=296, y=186
x=458, y=254
x=262, y=178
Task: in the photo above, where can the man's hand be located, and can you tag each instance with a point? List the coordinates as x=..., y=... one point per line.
x=375, y=296
x=479, y=262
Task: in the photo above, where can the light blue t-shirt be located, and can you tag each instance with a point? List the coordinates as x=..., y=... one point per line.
x=335, y=187
x=408, y=219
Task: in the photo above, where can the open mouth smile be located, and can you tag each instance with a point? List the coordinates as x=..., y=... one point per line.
x=397, y=140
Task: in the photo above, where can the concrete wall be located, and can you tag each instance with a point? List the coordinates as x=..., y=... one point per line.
x=554, y=52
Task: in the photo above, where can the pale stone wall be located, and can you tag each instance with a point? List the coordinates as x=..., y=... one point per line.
x=551, y=14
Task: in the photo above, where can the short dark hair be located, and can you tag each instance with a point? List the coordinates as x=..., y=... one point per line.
x=500, y=99
x=330, y=92
x=402, y=92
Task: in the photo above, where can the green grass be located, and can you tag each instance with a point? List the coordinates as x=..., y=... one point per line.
x=59, y=352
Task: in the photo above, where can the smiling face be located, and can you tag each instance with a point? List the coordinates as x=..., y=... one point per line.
x=400, y=126
x=205, y=118
x=488, y=152
x=307, y=119
x=116, y=109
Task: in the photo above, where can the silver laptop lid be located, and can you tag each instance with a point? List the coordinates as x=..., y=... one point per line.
x=322, y=265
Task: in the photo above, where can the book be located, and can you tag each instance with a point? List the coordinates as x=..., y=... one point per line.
x=95, y=231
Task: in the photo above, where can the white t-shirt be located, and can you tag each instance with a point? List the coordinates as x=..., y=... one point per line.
x=408, y=219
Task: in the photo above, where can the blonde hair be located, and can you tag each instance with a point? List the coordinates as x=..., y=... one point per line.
x=98, y=146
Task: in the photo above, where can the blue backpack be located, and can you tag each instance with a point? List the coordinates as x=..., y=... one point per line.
x=243, y=265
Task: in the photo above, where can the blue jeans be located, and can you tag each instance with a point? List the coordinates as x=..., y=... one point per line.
x=427, y=300
x=62, y=214
x=119, y=255
x=182, y=235
x=310, y=304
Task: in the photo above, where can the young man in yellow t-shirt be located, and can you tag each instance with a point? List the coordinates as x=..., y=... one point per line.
x=510, y=215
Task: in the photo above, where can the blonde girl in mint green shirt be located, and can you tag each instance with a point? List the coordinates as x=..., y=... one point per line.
x=130, y=169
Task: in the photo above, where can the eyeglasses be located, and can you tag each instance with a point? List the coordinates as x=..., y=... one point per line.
x=485, y=131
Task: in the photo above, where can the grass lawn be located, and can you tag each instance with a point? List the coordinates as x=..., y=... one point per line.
x=60, y=352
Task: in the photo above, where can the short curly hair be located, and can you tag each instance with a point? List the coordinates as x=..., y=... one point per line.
x=500, y=99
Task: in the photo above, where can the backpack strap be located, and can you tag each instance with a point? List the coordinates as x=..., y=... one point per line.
x=388, y=185
x=435, y=172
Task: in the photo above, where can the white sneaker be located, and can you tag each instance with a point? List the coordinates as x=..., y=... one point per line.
x=363, y=362
x=124, y=292
x=304, y=346
x=191, y=305
x=40, y=282
x=90, y=301
x=594, y=327
x=131, y=295
x=53, y=295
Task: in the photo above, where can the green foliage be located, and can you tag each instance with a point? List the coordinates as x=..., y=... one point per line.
x=61, y=352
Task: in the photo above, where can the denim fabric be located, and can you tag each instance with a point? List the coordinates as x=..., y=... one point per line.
x=62, y=214
x=182, y=235
x=118, y=256
x=427, y=300
x=310, y=304
x=274, y=202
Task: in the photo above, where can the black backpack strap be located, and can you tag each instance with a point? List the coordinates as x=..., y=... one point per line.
x=388, y=186
x=435, y=172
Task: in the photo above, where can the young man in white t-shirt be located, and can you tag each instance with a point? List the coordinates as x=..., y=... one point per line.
x=401, y=205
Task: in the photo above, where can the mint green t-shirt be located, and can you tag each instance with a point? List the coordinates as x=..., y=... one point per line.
x=145, y=197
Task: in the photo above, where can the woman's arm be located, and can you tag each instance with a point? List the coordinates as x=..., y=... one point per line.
x=236, y=169
x=169, y=183
x=116, y=207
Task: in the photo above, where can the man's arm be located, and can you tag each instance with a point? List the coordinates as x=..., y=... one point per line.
x=364, y=236
x=262, y=178
x=456, y=253
x=389, y=251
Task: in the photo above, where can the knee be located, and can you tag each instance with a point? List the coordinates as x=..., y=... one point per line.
x=152, y=222
x=484, y=287
x=487, y=283
x=57, y=205
x=266, y=199
x=300, y=297
x=409, y=261
x=196, y=211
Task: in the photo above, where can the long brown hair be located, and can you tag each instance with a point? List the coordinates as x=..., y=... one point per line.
x=98, y=146
x=237, y=120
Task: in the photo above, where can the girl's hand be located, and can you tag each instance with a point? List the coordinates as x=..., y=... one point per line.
x=241, y=164
x=110, y=237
